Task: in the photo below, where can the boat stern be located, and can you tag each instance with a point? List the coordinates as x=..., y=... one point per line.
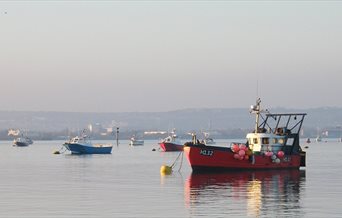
x=302, y=158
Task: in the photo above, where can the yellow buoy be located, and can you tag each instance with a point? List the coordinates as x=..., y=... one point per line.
x=165, y=170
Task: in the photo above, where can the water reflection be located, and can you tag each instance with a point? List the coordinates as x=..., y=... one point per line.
x=274, y=193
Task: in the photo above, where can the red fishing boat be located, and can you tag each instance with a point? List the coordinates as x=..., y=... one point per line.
x=171, y=143
x=274, y=144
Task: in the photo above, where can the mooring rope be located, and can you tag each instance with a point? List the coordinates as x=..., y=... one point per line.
x=181, y=163
x=60, y=151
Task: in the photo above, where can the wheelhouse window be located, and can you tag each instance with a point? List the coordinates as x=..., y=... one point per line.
x=255, y=140
x=289, y=141
x=265, y=141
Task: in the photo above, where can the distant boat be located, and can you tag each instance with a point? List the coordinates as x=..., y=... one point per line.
x=318, y=138
x=83, y=145
x=22, y=141
x=207, y=140
x=134, y=141
x=308, y=141
x=171, y=143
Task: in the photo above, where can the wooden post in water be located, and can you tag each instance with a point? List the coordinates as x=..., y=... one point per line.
x=117, y=136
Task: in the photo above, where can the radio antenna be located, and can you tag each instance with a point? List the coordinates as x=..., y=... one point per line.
x=257, y=87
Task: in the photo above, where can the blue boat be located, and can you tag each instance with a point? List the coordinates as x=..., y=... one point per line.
x=83, y=145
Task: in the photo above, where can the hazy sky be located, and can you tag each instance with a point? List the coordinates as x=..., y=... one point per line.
x=117, y=56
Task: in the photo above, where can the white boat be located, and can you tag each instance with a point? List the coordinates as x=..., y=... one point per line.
x=134, y=141
x=22, y=141
x=207, y=140
x=318, y=138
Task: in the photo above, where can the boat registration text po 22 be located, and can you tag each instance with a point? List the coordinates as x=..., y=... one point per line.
x=205, y=152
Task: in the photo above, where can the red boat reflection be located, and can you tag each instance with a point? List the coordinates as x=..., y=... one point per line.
x=255, y=188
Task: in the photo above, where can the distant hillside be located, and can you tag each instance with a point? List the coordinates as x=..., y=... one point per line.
x=183, y=120
x=188, y=119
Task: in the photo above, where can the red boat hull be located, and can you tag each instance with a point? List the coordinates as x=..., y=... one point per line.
x=214, y=158
x=167, y=146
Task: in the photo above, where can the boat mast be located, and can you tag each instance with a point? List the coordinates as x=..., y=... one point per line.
x=256, y=109
x=117, y=136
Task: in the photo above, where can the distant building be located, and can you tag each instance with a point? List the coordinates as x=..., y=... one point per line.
x=333, y=132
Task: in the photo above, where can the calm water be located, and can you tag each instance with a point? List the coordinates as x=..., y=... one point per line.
x=127, y=183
